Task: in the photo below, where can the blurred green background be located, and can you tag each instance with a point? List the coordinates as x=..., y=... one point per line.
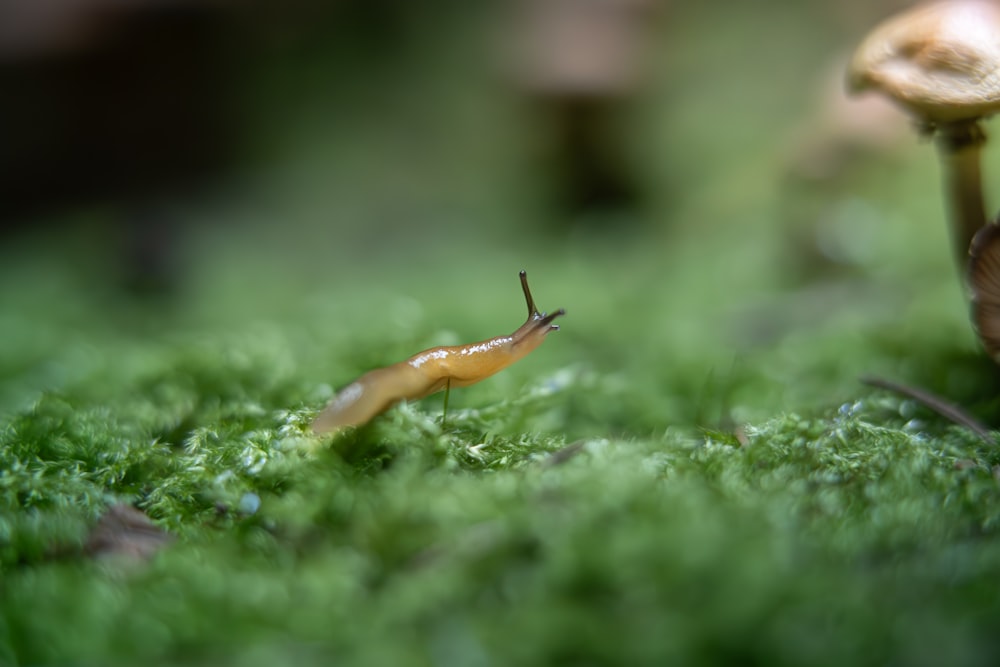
x=387, y=169
x=265, y=202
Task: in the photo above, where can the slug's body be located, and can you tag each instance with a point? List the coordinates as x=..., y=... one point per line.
x=435, y=369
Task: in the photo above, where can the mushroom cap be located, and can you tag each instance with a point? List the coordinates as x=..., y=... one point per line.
x=940, y=61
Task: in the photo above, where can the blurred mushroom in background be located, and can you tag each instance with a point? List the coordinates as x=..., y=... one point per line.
x=115, y=105
x=828, y=226
x=842, y=130
x=580, y=65
x=837, y=139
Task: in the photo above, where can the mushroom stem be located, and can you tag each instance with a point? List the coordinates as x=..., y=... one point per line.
x=960, y=145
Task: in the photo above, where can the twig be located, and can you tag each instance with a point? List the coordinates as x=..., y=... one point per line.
x=935, y=403
x=563, y=455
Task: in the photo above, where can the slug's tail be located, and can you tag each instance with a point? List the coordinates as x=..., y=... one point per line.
x=373, y=393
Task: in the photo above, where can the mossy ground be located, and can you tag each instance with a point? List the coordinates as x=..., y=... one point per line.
x=689, y=471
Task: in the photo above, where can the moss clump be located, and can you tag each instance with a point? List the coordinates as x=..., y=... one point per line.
x=687, y=472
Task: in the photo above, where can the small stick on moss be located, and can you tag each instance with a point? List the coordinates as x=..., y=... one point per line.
x=444, y=411
x=936, y=403
x=563, y=455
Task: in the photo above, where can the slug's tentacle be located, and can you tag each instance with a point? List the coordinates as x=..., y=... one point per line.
x=533, y=314
x=435, y=369
x=532, y=310
x=547, y=319
x=538, y=324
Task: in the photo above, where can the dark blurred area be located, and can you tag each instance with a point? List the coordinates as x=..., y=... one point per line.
x=133, y=103
x=133, y=107
x=109, y=101
x=130, y=102
x=582, y=65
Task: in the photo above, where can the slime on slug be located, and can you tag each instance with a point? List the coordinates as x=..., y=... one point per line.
x=435, y=369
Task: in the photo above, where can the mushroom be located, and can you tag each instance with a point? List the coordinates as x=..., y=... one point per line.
x=941, y=62
x=984, y=283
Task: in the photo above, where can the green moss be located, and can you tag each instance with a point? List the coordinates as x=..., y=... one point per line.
x=689, y=471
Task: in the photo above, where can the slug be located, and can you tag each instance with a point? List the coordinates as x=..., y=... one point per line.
x=435, y=369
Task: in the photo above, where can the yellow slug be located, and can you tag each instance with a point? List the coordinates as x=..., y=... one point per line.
x=433, y=370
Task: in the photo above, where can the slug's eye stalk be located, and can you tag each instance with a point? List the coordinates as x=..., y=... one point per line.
x=532, y=310
x=538, y=319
